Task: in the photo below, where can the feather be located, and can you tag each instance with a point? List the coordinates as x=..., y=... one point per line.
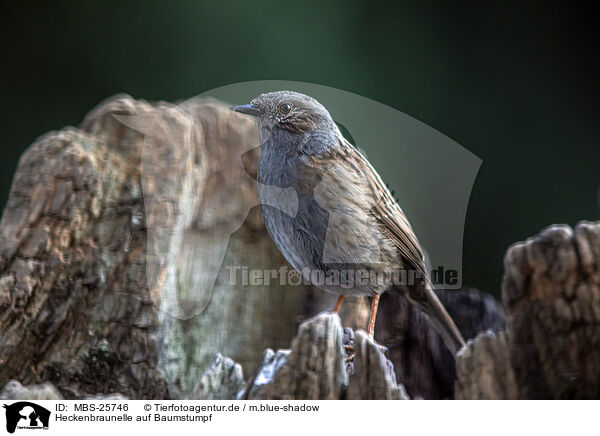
x=395, y=226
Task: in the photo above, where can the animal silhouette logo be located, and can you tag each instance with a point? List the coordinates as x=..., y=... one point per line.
x=26, y=415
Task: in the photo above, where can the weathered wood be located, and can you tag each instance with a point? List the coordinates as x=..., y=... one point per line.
x=104, y=225
x=421, y=360
x=373, y=376
x=115, y=249
x=551, y=291
x=316, y=368
x=484, y=370
x=13, y=390
x=223, y=380
x=71, y=260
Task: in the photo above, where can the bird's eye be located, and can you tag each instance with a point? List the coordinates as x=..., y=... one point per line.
x=285, y=108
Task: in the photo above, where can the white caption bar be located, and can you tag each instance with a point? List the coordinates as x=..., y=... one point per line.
x=298, y=417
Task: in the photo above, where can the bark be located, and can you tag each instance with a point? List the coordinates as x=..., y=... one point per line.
x=223, y=380
x=421, y=360
x=484, y=370
x=313, y=369
x=372, y=376
x=316, y=368
x=15, y=391
x=116, y=249
x=551, y=291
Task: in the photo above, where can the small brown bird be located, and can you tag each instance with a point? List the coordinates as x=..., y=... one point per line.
x=346, y=219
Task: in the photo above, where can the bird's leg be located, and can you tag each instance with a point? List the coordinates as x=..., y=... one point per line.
x=338, y=304
x=373, y=315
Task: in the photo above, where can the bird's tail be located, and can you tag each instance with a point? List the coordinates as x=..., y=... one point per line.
x=444, y=325
x=440, y=319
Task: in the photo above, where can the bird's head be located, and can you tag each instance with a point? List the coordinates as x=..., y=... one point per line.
x=289, y=111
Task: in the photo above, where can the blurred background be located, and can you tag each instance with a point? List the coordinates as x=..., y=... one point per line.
x=516, y=84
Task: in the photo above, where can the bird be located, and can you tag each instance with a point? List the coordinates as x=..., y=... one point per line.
x=346, y=218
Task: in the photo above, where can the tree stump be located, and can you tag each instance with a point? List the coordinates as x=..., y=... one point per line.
x=117, y=247
x=551, y=291
x=114, y=248
x=316, y=367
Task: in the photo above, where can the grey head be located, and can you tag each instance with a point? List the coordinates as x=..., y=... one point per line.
x=290, y=118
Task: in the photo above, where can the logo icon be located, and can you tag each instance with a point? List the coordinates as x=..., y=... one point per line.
x=26, y=415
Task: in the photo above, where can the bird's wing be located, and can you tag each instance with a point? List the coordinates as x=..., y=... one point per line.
x=386, y=210
x=396, y=227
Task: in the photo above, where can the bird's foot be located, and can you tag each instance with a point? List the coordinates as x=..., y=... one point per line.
x=349, y=353
x=348, y=344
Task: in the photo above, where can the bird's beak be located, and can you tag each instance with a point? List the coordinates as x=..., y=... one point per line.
x=248, y=109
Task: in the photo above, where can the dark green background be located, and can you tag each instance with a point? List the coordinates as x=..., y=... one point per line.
x=517, y=84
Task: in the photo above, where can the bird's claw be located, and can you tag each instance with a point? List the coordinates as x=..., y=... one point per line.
x=348, y=344
x=350, y=353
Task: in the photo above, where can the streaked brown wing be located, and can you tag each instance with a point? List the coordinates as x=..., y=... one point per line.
x=394, y=224
x=386, y=210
